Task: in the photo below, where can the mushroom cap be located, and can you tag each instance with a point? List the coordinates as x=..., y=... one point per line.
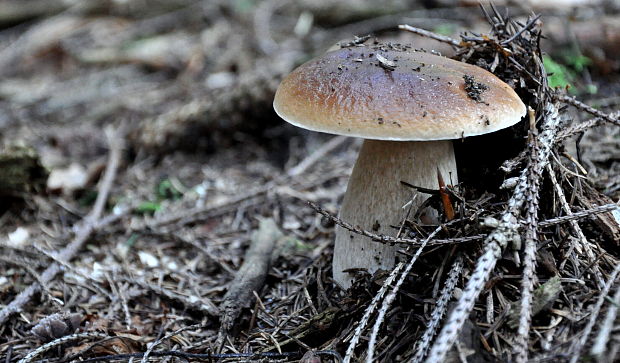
x=390, y=92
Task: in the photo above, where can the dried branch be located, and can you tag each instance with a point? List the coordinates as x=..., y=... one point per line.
x=579, y=215
x=198, y=303
x=149, y=350
x=591, y=258
x=529, y=254
x=84, y=230
x=589, y=109
x=392, y=295
x=428, y=34
x=600, y=343
x=60, y=341
x=579, y=128
x=251, y=275
x=381, y=238
x=369, y=310
x=527, y=26
x=579, y=344
x=497, y=240
x=440, y=310
x=317, y=155
x=207, y=356
x=194, y=214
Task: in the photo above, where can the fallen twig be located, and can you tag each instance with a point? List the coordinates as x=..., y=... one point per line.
x=389, y=239
x=589, y=109
x=600, y=343
x=60, y=341
x=494, y=244
x=579, y=215
x=576, y=228
x=440, y=310
x=190, y=216
x=317, y=155
x=529, y=253
x=149, y=350
x=579, y=128
x=369, y=310
x=428, y=34
x=204, y=356
x=387, y=302
x=199, y=303
x=578, y=345
x=250, y=276
x=83, y=231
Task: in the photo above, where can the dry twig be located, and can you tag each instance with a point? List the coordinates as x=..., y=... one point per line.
x=428, y=34
x=60, y=341
x=529, y=254
x=602, y=339
x=83, y=231
x=250, y=276
x=440, y=310
x=381, y=238
x=495, y=243
x=612, y=118
x=387, y=302
x=580, y=343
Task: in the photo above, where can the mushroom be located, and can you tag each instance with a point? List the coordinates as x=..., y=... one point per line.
x=408, y=105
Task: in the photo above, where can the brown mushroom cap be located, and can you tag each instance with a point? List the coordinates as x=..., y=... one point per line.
x=390, y=92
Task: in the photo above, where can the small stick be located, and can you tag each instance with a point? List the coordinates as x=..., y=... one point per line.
x=387, y=302
x=381, y=238
x=84, y=230
x=579, y=128
x=589, y=109
x=575, y=227
x=369, y=310
x=524, y=28
x=149, y=350
x=317, y=155
x=60, y=341
x=576, y=349
x=579, y=215
x=250, y=276
x=600, y=343
x=428, y=34
x=529, y=253
x=441, y=307
x=200, y=303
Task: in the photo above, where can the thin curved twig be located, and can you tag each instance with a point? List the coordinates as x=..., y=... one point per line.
x=392, y=295
x=86, y=228
x=578, y=346
x=440, y=310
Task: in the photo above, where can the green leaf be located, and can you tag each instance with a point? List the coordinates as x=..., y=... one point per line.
x=557, y=74
x=148, y=207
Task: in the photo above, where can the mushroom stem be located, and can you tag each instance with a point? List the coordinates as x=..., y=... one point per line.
x=375, y=198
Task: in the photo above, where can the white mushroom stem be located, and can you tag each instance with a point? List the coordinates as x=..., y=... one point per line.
x=375, y=198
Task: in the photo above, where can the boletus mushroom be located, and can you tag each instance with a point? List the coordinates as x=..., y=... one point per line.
x=408, y=105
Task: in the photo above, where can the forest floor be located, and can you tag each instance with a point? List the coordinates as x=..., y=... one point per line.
x=142, y=167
